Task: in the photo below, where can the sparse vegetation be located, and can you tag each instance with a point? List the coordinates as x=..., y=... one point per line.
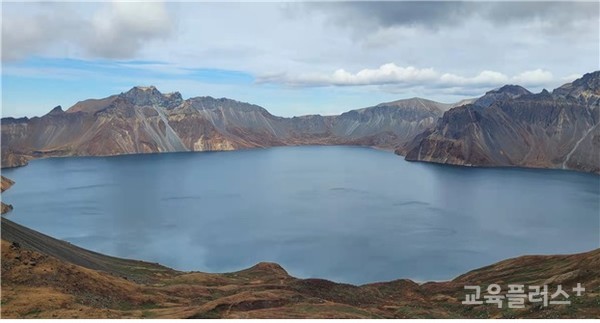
x=70, y=282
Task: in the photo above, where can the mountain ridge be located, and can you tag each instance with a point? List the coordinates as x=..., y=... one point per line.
x=507, y=126
x=144, y=120
x=545, y=130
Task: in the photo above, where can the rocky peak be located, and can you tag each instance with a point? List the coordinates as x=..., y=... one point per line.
x=56, y=111
x=585, y=90
x=503, y=93
x=589, y=81
x=510, y=89
x=151, y=96
x=174, y=96
x=545, y=95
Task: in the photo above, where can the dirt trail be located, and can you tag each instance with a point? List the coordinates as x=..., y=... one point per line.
x=134, y=270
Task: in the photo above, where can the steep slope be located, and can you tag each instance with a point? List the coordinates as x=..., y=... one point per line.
x=47, y=278
x=144, y=120
x=388, y=125
x=558, y=130
x=92, y=105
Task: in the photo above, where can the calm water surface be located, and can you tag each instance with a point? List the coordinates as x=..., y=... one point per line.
x=348, y=214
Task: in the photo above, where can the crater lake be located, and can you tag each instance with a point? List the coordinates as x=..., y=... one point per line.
x=347, y=214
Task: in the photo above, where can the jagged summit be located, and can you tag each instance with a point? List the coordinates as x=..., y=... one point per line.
x=585, y=90
x=151, y=96
x=144, y=88
x=138, y=93
x=57, y=110
x=545, y=93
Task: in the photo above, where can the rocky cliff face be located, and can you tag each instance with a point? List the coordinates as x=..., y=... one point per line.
x=144, y=120
x=558, y=130
x=585, y=90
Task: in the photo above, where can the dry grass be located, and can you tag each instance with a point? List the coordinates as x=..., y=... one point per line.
x=47, y=278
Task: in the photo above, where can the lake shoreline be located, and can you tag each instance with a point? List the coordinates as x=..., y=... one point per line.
x=385, y=149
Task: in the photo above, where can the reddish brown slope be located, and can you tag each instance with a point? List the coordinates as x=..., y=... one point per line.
x=45, y=277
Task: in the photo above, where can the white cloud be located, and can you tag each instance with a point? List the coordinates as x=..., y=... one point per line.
x=485, y=78
x=385, y=74
x=392, y=74
x=536, y=77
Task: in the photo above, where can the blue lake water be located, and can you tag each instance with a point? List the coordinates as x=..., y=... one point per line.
x=347, y=214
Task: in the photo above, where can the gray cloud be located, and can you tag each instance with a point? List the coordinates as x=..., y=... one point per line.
x=433, y=15
x=392, y=13
x=109, y=30
x=22, y=36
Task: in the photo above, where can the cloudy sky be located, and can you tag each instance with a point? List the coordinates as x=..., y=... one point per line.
x=292, y=58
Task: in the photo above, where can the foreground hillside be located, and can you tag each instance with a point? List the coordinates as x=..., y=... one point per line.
x=46, y=278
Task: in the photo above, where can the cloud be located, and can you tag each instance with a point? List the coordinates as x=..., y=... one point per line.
x=109, y=30
x=385, y=74
x=536, y=77
x=440, y=50
x=395, y=77
x=438, y=14
x=485, y=78
x=120, y=30
x=395, y=13
x=22, y=36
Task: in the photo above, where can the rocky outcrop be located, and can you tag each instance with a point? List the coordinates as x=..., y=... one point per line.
x=585, y=90
x=6, y=184
x=514, y=128
x=144, y=120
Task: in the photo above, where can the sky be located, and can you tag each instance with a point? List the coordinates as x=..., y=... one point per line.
x=293, y=58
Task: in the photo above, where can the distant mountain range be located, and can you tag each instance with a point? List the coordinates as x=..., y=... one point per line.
x=508, y=126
